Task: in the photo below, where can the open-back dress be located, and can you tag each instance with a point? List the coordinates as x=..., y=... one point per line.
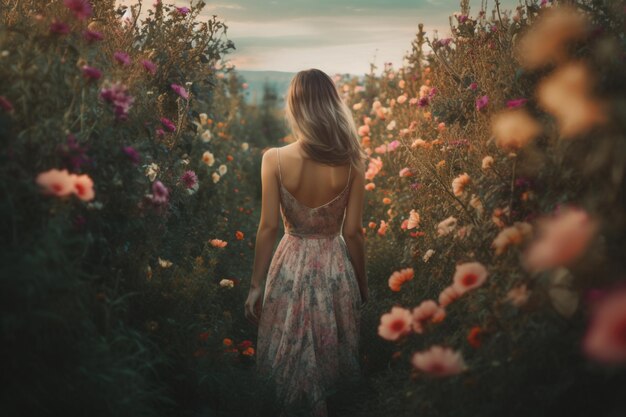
x=309, y=327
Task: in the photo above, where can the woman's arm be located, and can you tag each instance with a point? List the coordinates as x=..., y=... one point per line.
x=266, y=233
x=353, y=230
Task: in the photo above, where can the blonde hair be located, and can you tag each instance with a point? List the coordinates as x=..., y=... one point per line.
x=320, y=119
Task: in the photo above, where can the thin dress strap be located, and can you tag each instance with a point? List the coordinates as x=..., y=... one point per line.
x=279, y=174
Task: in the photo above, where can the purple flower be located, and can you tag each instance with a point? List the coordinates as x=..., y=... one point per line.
x=473, y=86
x=91, y=73
x=180, y=90
x=149, y=66
x=183, y=10
x=160, y=193
x=122, y=58
x=189, y=178
x=81, y=8
x=132, y=154
x=444, y=42
x=516, y=103
x=92, y=36
x=59, y=28
x=168, y=124
x=73, y=154
x=482, y=102
x=5, y=104
x=432, y=92
x=462, y=18
x=117, y=95
x=423, y=102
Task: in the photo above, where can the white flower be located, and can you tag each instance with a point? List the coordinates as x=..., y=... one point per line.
x=222, y=169
x=428, y=254
x=151, y=171
x=215, y=176
x=164, y=263
x=208, y=158
x=391, y=125
x=206, y=136
x=227, y=283
x=245, y=146
x=203, y=118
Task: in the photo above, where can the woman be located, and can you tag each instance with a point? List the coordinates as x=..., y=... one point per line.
x=308, y=314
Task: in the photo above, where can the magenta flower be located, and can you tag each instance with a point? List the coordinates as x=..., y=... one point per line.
x=473, y=86
x=516, y=103
x=482, y=102
x=132, y=154
x=5, y=104
x=122, y=58
x=81, y=8
x=117, y=94
x=168, y=124
x=91, y=73
x=183, y=10
x=180, y=90
x=149, y=66
x=423, y=102
x=59, y=28
x=462, y=18
x=92, y=36
x=160, y=193
x=160, y=132
x=189, y=178
x=392, y=146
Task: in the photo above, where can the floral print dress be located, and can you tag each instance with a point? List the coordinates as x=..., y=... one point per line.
x=309, y=327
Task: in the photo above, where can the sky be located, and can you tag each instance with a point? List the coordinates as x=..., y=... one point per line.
x=335, y=36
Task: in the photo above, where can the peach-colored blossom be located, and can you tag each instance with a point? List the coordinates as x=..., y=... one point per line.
x=56, y=182
x=427, y=312
x=514, y=129
x=420, y=143
x=446, y=226
x=448, y=295
x=469, y=276
x=381, y=149
x=414, y=219
x=400, y=277
x=439, y=361
x=401, y=99
x=459, y=184
x=497, y=216
x=605, y=340
x=370, y=186
x=83, y=187
x=372, y=225
x=518, y=296
x=546, y=40
x=383, y=228
x=374, y=167
x=441, y=127
x=395, y=324
x=364, y=130
x=561, y=239
x=513, y=235
x=218, y=243
x=566, y=94
x=487, y=162
x=406, y=172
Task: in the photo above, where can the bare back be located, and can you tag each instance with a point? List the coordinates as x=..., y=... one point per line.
x=311, y=183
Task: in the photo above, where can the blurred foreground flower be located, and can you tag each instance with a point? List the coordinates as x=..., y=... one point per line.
x=117, y=95
x=427, y=311
x=439, y=361
x=81, y=8
x=514, y=129
x=395, y=324
x=605, y=340
x=400, y=277
x=469, y=276
x=561, y=240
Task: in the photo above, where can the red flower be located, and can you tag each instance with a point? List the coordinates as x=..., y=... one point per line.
x=474, y=337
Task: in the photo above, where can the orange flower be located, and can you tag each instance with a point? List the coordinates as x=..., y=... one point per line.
x=370, y=186
x=372, y=225
x=459, y=184
x=83, y=187
x=218, y=243
x=474, y=337
x=229, y=157
x=227, y=342
x=400, y=277
x=248, y=352
x=386, y=200
x=383, y=228
x=239, y=235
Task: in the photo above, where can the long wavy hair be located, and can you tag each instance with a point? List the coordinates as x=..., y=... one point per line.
x=321, y=120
